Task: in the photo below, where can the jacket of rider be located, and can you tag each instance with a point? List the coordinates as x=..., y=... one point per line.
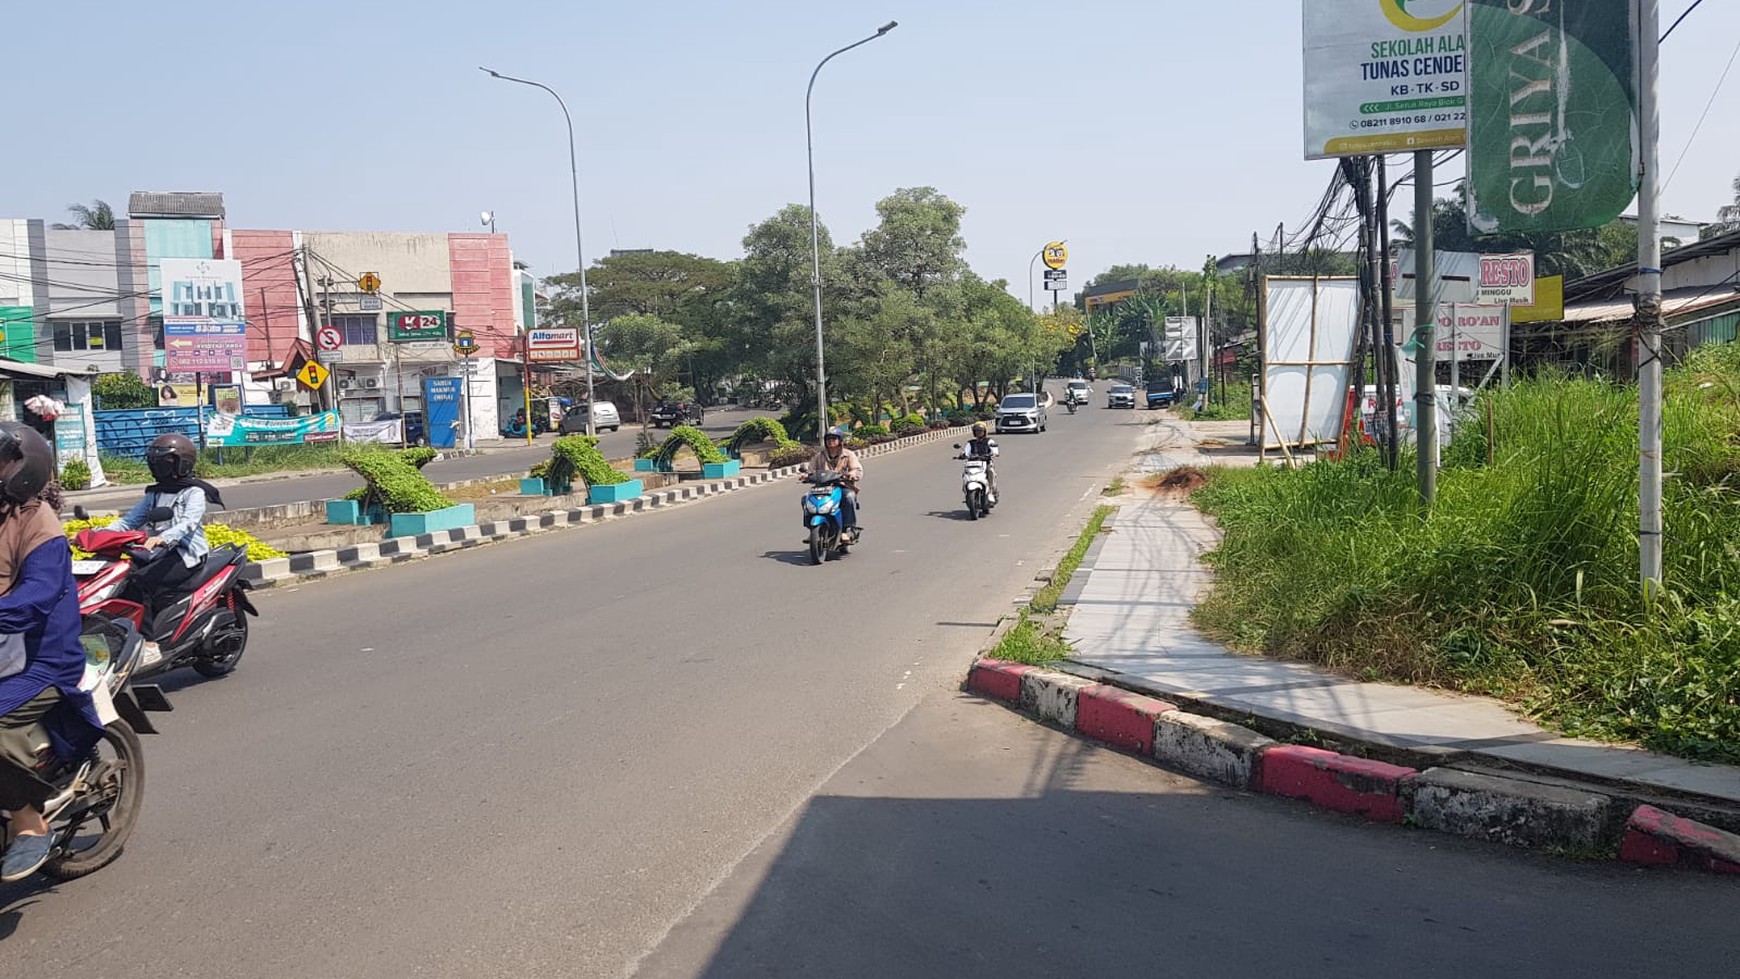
x=846, y=464
x=40, y=601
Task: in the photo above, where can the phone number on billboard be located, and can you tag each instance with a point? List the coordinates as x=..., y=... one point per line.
x=1419, y=120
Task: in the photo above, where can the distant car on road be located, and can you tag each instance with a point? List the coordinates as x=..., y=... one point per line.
x=670, y=414
x=414, y=432
x=1160, y=393
x=1020, y=413
x=574, y=421
x=1121, y=396
x=1078, y=391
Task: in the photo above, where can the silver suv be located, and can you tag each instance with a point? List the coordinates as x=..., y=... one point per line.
x=1020, y=413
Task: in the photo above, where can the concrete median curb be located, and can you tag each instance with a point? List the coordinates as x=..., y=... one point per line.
x=1532, y=812
x=312, y=565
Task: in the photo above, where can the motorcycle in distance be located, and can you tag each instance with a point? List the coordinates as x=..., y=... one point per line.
x=1069, y=402
x=827, y=528
x=203, y=623
x=94, y=800
x=976, y=483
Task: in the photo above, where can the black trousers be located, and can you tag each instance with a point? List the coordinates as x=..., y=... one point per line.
x=158, y=577
x=21, y=732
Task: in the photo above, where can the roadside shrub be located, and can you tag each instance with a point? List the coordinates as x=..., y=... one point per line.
x=869, y=433
x=578, y=455
x=216, y=534
x=790, y=454
x=645, y=446
x=394, y=484
x=75, y=474
x=857, y=444
x=695, y=439
x=758, y=430
x=937, y=423
x=416, y=457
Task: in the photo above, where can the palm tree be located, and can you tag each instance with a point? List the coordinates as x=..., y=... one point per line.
x=97, y=216
x=1727, y=216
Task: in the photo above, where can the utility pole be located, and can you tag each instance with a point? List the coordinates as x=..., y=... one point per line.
x=1648, y=300
x=1387, y=372
x=1425, y=344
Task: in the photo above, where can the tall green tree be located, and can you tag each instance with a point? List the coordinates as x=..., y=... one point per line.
x=1571, y=254
x=1727, y=217
x=917, y=243
x=95, y=216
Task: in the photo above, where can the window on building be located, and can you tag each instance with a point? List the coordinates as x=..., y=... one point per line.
x=70, y=335
x=357, y=330
x=155, y=323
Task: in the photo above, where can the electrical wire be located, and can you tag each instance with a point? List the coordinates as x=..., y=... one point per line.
x=1676, y=23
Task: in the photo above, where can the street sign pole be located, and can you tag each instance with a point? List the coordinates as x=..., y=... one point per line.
x=1425, y=343
x=1648, y=302
x=470, y=441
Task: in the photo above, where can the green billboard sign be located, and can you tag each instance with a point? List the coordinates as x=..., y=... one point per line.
x=1553, y=130
x=429, y=326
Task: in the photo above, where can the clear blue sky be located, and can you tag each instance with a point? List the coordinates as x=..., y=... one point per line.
x=1155, y=131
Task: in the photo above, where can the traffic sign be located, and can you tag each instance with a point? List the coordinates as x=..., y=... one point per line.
x=369, y=304
x=1056, y=255
x=369, y=282
x=312, y=375
x=329, y=338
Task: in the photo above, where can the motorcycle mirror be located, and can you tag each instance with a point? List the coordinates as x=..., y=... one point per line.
x=160, y=514
x=80, y=513
x=957, y=445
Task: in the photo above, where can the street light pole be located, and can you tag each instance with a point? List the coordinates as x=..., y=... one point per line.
x=815, y=232
x=579, y=249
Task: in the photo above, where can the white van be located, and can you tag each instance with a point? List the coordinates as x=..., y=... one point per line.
x=607, y=419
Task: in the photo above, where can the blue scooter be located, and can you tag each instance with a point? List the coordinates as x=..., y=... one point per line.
x=823, y=517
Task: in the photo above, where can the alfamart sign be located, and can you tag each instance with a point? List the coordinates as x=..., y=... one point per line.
x=1554, y=142
x=1384, y=76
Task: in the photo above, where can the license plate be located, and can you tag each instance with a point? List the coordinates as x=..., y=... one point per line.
x=88, y=567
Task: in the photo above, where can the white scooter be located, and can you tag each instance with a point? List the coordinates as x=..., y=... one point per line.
x=976, y=483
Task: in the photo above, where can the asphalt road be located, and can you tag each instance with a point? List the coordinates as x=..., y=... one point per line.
x=969, y=841
x=492, y=462
x=533, y=758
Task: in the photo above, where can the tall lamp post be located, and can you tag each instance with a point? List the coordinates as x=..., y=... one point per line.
x=815, y=232
x=579, y=249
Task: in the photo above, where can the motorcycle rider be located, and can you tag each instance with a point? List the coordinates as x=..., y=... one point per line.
x=41, y=659
x=983, y=447
x=170, y=458
x=836, y=458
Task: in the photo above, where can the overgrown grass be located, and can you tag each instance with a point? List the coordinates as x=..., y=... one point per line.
x=1033, y=639
x=1115, y=487
x=1521, y=583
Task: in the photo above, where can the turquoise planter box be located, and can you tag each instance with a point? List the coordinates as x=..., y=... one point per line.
x=351, y=513
x=646, y=465
x=533, y=487
x=614, y=493
x=450, y=518
x=720, y=470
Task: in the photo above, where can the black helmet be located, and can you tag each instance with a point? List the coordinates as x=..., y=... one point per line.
x=26, y=463
x=171, y=456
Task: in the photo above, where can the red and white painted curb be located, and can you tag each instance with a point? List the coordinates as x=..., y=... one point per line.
x=1508, y=810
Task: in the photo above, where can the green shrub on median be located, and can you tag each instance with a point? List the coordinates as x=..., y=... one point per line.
x=393, y=481
x=578, y=455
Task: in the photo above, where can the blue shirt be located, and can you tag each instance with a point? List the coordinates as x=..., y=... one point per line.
x=184, y=532
x=44, y=605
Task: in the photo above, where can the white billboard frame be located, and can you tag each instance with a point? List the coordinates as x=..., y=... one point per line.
x=1310, y=330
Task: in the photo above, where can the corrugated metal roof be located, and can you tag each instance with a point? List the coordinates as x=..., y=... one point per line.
x=1675, y=302
x=175, y=204
x=1611, y=282
x=15, y=368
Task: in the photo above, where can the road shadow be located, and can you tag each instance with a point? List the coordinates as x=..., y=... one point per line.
x=960, y=515
x=798, y=558
x=15, y=898
x=1056, y=867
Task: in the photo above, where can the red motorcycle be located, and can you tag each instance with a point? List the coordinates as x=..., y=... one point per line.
x=202, y=623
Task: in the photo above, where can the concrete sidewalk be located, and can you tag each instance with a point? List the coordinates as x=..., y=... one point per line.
x=1130, y=617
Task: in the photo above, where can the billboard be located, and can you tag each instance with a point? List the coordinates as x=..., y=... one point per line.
x=204, y=329
x=547, y=344
x=237, y=430
x=1470, y=277
x=1309, y=330
x=1178, y=339
x=424, y=326
x=1384, y=76
x=1554, y=145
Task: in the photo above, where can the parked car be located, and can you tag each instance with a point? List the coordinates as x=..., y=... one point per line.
x=1020, y=413
x=1160, y=393
x=1078, y=391
x=670, y=414
x=607, y=418
x=414, y=429
x=1121, y=395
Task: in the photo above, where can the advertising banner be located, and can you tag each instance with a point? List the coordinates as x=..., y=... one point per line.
x=423, y=327
x=1472, y=332
x=1554, y=144
x=1384, y=76
x=1470, y=277
x=1179, y=339
x=204, y=329
x=391, y=430
x=230, y=430
x=548, y=344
